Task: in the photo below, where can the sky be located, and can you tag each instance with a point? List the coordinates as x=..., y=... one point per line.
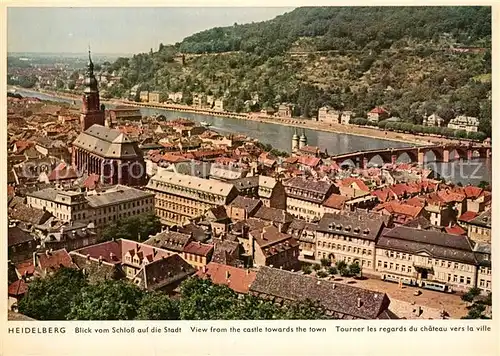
x=118, y=30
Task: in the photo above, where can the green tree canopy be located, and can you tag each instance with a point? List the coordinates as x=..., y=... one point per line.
x=51, y=298
x=137, y=228
x=108, y=300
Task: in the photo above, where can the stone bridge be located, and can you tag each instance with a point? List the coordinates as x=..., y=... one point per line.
x=443, y=153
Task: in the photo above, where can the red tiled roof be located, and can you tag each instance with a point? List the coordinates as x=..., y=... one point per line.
x=416, y=201
x=18, y=288
x=399, y=189
x=23, y=145
x=347, y=182
x=468, y=216
x=379, y=110
x=448, y=196
x=54, y=259
x=455, y=230
x=26, y=267
x=472, y=192
x=384, y=194
x=208, y=153
x=335, y=201
x=11, y=191
x=309, y=161
x=291, y=160
x=92, y=181
x=398, y=208
x=239, y=279
x=62, y=174
x=174, y=158
x=110, y=251
x=197, y=248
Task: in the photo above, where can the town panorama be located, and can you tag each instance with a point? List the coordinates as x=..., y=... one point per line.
x=284, y=169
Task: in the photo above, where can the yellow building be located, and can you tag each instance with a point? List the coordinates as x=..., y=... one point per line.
x=100, y=208
x=348, y=237
x=426, y=258
x=305, y=197
x=180, y=198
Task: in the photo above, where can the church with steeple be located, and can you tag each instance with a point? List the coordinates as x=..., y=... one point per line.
x=101, y=150
x=93, y=112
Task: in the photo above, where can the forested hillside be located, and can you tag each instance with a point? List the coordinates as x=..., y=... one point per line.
x=345, y=28
x=352, y=58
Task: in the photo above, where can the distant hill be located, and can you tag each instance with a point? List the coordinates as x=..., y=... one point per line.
x=345, y=28
x=412, y=60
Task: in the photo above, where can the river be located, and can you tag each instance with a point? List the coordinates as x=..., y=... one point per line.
x=279, y=136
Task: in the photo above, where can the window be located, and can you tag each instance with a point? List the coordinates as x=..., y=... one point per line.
x=397, y=266
x=449, y=277
x=390, y=265
x=455, y=265
x=462, y=279
x=403, y=268
x=385, y=264
x=379, y=263
x=455, y=278
x=369, y=264
x=468, y=280
x=481, y=282
x=449, y=264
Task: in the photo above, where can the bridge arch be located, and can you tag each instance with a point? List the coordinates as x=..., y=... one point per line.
x=347, y=162
x=407, y=156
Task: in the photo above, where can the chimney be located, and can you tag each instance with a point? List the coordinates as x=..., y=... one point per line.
x=204, y=269
x=419, y=227
x=227, y=274
x=333, y=285
x=88, y=257
x=450, y=224
x=47, y=253
x=359, y=302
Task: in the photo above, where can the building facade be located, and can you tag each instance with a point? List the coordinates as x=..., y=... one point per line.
x=349, y=238
x=109, y=154
x=423, y=257
x=465, y=123
x=100, y=208
x=180, y=198
x=305, y=197
x=328, y=115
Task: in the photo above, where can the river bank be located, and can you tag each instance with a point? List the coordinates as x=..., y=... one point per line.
x=299, y=123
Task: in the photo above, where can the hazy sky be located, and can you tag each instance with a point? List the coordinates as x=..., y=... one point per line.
x=118, y=30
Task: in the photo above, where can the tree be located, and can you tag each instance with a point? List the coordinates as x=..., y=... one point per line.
x=460, y=134
x=137, y=228
x=306, y=269
x=342, y=268
x=325, y=262
x=354, y=269
x=483, y=184
x=51, y=298
x=316, y=267
x=471, y=294
x=158, y=306
x=304, y=310
x=108, y=300
x=321, y=274
x=71, y=85
x=202, y=300
x=332, y=270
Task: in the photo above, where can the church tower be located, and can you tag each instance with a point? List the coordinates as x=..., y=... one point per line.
x=92, y=111
x=295, y=142
x=303, y=140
